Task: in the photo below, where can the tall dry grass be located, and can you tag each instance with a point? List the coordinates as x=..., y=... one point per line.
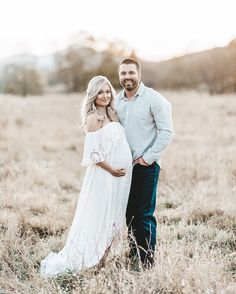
x=41, y=146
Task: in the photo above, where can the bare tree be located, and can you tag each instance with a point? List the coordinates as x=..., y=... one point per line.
x=82, y=60
x=22, y=80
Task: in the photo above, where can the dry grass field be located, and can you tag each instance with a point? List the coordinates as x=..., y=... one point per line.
x=41, y=145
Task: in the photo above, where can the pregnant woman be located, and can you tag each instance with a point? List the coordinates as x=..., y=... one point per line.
x=100, y=212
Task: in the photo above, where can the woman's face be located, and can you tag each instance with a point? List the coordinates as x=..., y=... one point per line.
x=104, y=97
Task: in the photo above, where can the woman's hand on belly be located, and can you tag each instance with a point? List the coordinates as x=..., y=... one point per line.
x=115, y=172
x=118, y=172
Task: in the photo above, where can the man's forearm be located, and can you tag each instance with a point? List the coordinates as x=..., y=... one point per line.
x=162, y=141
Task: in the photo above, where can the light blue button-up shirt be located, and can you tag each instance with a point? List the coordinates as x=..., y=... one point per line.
x=147, y=121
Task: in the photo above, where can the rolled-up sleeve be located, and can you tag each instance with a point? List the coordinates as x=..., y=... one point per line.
x=161, y=111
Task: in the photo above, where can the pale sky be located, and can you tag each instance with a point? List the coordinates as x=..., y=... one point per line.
x=157, y=29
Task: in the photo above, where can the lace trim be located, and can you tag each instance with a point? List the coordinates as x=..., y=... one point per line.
x=107, y=143
x=95, y=156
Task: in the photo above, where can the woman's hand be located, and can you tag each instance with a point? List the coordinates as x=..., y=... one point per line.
x=115, y=172
x=118, y=172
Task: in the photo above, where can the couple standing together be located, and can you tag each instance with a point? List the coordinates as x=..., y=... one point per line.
x=125, y=138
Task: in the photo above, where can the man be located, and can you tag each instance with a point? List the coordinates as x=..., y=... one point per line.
x=146, y=117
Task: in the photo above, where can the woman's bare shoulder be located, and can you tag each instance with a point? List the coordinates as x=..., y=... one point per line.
x=92, y=122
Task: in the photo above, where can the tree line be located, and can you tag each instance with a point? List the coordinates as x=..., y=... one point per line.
x=213, y=70
x=73, y=68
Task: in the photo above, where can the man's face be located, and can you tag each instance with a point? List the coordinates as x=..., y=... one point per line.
x=129, y=76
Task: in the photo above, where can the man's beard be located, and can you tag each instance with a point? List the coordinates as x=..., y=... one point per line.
x=131, y=85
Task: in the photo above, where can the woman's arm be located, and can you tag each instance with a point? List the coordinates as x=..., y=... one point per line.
x=116, y=172
x=92, y=124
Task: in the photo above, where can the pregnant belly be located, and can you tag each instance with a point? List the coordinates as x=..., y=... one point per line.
x=121, y=157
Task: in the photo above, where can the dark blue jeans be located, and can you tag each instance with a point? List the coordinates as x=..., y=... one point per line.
x=139, y=214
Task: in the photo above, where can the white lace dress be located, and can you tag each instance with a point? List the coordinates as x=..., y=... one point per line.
x=101, y=207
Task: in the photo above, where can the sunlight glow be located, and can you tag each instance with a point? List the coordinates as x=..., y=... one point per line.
x=156, y=29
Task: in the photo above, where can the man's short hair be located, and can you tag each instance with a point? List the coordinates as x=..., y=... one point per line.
x=131, y=61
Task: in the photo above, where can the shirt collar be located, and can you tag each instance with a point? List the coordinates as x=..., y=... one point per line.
x=139, y=92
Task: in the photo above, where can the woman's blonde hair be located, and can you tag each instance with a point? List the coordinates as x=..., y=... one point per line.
x=88, y=105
